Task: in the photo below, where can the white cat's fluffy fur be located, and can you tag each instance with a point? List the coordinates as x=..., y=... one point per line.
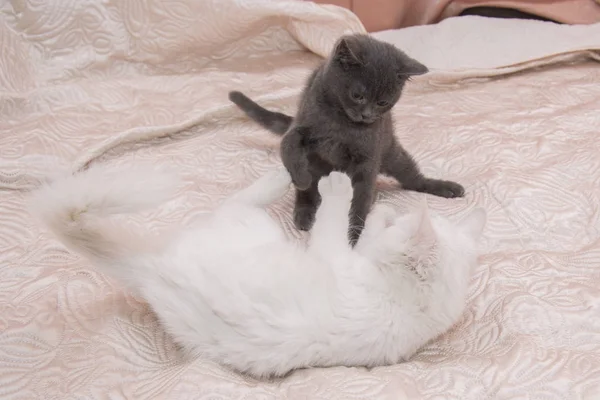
x=234, y=290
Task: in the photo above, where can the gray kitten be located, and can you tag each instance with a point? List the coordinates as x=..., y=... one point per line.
x=344, y=123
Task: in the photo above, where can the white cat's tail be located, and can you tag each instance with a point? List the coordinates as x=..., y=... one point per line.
x=75, y=208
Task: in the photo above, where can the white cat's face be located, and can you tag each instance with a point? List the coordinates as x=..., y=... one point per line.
x=432, y=239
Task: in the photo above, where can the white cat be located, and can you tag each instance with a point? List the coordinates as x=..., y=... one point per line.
x=236, y=291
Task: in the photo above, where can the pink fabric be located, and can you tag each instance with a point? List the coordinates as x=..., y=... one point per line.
x=139, y=81
x=565, y=11
x=379, y=15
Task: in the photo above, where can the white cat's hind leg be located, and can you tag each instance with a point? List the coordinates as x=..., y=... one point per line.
x=264, y=191
x=329, y=234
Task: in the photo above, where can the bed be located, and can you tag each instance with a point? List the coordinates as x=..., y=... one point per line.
x=510, y=109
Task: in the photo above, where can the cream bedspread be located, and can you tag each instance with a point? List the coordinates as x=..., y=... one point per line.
x=137, y=81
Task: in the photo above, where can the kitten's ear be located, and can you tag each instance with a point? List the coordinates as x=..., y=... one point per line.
x=424, y=235
x=411, y=67
x=344, y=54
x=474, y=222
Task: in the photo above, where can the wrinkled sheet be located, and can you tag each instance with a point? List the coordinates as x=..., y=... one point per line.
x=134, y=82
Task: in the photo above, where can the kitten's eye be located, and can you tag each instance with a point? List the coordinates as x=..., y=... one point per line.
x=382, y=103
x=357, y=97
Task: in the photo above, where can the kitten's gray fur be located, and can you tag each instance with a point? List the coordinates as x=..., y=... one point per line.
x=344, y=123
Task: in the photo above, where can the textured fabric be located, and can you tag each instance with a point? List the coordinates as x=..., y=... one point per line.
x=137, y=81
x=475, y=47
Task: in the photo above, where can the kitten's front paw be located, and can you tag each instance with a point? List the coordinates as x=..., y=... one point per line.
x=304, y=218
x=354, y=235
x=302, y=180
x=336, y=184
x=447, y=189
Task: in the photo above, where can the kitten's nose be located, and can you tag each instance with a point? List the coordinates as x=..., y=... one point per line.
x=367, y=114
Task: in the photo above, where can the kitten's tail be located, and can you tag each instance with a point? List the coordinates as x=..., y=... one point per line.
x=72, y=207
x=276, y=122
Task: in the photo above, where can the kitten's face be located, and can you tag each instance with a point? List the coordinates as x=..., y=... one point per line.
x=364, y=99
x=367, y=76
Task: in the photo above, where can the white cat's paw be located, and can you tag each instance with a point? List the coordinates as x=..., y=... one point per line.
x=282, y=177
x=278, y=177
x=336, y=184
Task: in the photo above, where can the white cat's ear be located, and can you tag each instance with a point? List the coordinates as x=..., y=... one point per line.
x=424, y=233
x=474, y=222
